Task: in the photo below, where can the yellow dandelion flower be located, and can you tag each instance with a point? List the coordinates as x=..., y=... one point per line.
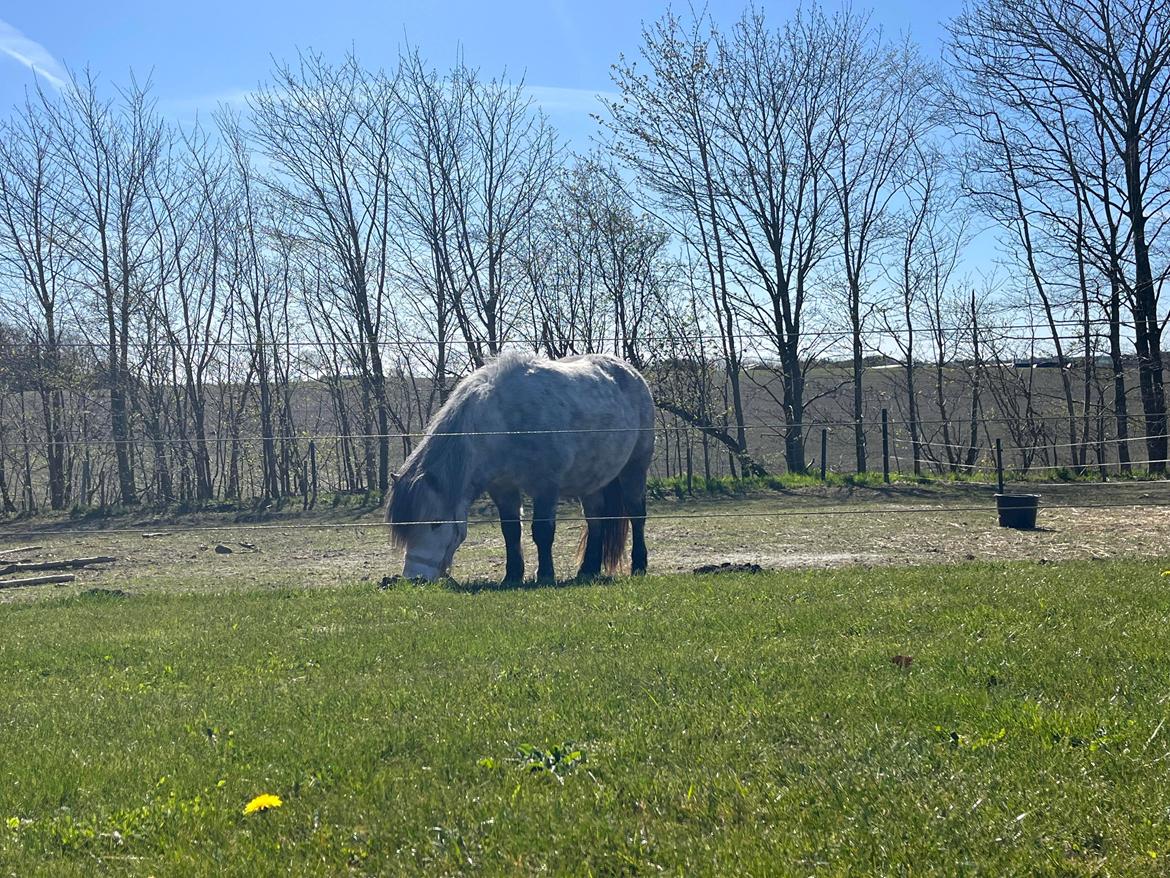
x=262, y=803
x=1166, y=572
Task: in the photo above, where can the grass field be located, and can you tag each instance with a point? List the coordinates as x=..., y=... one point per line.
x=727, y=724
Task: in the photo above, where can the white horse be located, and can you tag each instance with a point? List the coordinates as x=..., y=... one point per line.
x=578, y=427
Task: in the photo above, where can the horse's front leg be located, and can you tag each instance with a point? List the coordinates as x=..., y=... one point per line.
x=508, y=504
x=544, y=528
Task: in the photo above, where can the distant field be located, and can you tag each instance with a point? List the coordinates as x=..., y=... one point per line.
x=692, y=725
x=829, y=386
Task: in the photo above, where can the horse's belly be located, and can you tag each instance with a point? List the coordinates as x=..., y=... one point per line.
x=594, y=470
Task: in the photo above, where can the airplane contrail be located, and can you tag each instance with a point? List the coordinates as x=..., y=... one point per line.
x=32, y=55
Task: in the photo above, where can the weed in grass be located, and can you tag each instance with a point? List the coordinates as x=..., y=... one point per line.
x=557, y=760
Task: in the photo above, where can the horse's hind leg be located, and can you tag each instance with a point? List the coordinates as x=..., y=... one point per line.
x=589, y=558
x=633, y=482
x=544, y=528
x=508, y=503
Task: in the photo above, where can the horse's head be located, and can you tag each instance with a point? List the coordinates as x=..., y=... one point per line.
x=427, y=524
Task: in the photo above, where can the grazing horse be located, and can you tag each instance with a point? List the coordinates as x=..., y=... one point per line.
x=577, y=427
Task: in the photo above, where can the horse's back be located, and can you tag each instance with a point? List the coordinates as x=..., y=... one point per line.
x=626, y=376
x=628, y=380
x=588, y=386
x=579, y=420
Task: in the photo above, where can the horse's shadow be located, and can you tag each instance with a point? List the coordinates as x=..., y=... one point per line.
x=475, y=586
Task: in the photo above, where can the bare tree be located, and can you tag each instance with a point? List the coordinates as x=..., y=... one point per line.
x=626, y=253
x=426, y=217
x=665, y=128
x=33, y=234
x=495, y=156
x=908, y=277
x=882, y=106
x=775, y=140
x=108, y=150
x=1104, y=65
x=329, y=133
x=248, y=282
x=194, y=205
x=559, y=256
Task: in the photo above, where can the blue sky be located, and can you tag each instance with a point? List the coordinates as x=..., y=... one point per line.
x=199, y=53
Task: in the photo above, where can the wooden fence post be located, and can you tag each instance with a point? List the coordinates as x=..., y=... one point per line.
x=999, y=463
x=313, y=473
x=1102, y=456
x=885, y=446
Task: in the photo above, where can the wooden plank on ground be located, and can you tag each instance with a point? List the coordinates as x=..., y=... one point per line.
x=54, y=579
x=63, y=564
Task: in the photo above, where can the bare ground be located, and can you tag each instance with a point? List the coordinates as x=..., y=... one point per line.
x=797, y=529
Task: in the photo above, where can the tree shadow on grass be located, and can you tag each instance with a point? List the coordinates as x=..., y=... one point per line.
x=905, y=488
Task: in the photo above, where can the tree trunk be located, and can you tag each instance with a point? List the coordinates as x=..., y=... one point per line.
x=1120, y=404
x=858, y=373
x=1147, y=328
x=52, y=409
x=793, y=381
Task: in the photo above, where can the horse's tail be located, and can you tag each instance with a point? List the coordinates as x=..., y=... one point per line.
x=615, y=529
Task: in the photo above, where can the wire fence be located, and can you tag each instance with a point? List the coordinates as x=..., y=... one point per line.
x=324, y=448
x=778, y=426
x=837, y=510
x=1158, y=499
x=319, y=462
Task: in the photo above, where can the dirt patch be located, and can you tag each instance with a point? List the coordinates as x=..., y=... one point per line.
x=823, y=528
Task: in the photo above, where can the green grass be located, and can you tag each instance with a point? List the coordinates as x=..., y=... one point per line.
x=731, y=725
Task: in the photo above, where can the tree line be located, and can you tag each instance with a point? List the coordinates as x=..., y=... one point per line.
x=241, y=307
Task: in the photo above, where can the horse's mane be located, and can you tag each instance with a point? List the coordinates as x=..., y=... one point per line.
x=440, y=457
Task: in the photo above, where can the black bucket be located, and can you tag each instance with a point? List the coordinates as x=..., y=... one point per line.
x=1017, y=510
